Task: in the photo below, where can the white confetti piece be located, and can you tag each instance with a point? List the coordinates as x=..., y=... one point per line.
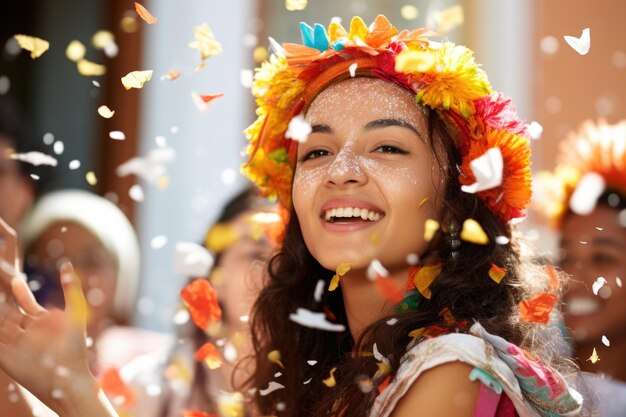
x=392, y=321
x=117, y=135
x=313, y=320
x=34, y=177
x=228, y=176
x=412, y=259
x=618, y=281
x=307, y=381
x=135, y=192
x=48, y=138
x=35, y=158
x=488, y=171
x=581, y=44
x=585, y=196
x=74, y=164
x=605, y=341
x=312, y=362
x=246, y=77
x=58, y=147
x=535, y=130
x=319, y=290
x=181, y=317
x=273, y=386
x=230, y=352
x=95, y=83
x=279, y=51
x=158, y=242
x=502, y=240
x=299, y=129
x=192, y=260
x=151, y=168
x=376, y=269
x=352, y=68
x=599, y=283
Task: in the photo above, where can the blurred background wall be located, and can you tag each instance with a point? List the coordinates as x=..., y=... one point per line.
x=519, y=42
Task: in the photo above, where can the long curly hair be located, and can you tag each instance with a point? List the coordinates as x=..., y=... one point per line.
x=463, y=287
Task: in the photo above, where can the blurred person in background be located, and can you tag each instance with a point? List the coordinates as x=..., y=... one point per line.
x=585, y=197
x=241, y=241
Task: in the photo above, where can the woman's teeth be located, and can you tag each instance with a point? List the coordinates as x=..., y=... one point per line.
x=351, y=212
x=578, y=306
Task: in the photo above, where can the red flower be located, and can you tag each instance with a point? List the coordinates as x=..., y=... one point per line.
x=201, y=300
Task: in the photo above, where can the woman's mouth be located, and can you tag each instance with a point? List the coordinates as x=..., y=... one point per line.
x=582, y=306
x=351, y=215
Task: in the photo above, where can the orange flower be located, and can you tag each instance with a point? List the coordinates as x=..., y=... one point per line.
x=115, y=388
x=201, y=300
x=538, y=308
x=496, y=273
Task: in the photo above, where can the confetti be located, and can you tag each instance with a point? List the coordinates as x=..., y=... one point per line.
x=487, y=170
x=430, y=227
x=135, y=192
x=585, y=196
x=75, y=51
x=172, y=75
x=538, y=308
x=294, y=5
x=409, y=12
x=58, y=147
x=74, y=164
x=352, y=68
x=102, y=39
x=209, y=354
x=334, y=283
x=599, y=283
x=389, y=290
x=90, y=69
x=376, y=269
x=36, y=46
x=192, y=260
x=424, y=276
x=412, y=259
x=424, y=200
x=473, y=233
x=106, y=112
x=581, y=44
x=330, y=381
x=315, y=320
x=196, y=413
x=136, y=79
x=158, y=242
x=299, y=129
x=342, y=269
x=145, y=14
x=259, y=54
x=202, y=101
x=605, y=341
x=502, y=240
x=112, y=384
x=496, y=273
x=246, y=78
x=91, y=178
x=272, y=386
x=117, y=135
x=35, y=158
x=201, y=301
x=274, y=356
x=391, y=321
x=535, y=130
x=319, y=290
x=220, y=237
x=205, y=41
x=449, y=19
x=410, y=61
x=594, y=358
x=151, y=168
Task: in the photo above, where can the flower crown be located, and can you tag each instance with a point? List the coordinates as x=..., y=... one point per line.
x=597, y=147
x=443, y=76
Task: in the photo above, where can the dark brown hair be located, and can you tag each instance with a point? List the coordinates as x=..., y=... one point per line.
x=463, y=287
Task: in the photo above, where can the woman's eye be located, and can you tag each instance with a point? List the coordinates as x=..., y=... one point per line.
x=313, y=154
x=390, y=149
x=604, y=260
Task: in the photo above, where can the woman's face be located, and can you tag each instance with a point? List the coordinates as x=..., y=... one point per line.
x=363, y=175
x=96, y=267
x=594, y=246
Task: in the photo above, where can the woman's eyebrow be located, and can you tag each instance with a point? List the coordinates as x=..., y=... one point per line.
x=321, y=129
x=382, y=123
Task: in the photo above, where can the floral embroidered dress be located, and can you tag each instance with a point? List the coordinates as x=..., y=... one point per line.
x=512, y=384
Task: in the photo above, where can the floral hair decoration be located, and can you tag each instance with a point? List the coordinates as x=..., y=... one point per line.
x=443, y=76
x=596, y=147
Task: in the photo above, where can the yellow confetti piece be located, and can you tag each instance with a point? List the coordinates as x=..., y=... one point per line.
x=102, y=39
x=411, y=61
x=424, y=200
x=163, y=182
x=129, y=24
x=449, y=19
x=424, y=277
x=330, y=381
x=80, y=313
x=343, y=268
x=231, y=405
x=105, y=112
x=90, y=69
x=136, y=79
x=417, y=333
x=205, y=41
x=430, y=227
x=409, y=12
x=294, y=5
x=473, y=233
x=75, y=51
x=383, y=369
x=496, y=273
x=238, y=339
x=220, y=237
x=36, y=46
x=213, y=362
x=91, y=178
x=274, y=356
x=334, y=283
x=259, y=54
x=179, y=370
x=594, y=358
x=375, y=238
x=200, y=66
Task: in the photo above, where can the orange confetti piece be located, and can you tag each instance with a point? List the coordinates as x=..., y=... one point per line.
x=496, y=273
x=274, y=356
x=384, y=384
x=114, y=387
x=209, y=354
x=538, y=308
x=424, y=200
x=195, y=413
x=172, y=75
x=330, y=381
x=201, y=300
x=145, y=14
x=553, y=279
x=424, y=276
x=389, y=290
x=202, y=100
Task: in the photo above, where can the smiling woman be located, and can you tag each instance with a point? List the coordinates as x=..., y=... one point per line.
x=427, y=314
